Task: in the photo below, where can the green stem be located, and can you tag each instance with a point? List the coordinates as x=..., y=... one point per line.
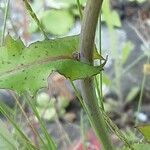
x=141, y=93
x=98, y=90
x=108, y=121
x=101, y=99
x=86, y=46
x=5, y=19
x=34, y=16
x=82, y=131
x=79, y=8
x=36, y=134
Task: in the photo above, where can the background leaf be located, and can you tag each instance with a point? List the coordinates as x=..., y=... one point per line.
x=127, y=47
x=145, y=130
x=57, y=22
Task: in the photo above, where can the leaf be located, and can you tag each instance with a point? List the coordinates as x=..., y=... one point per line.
x=145, y=130
x=111, y=17
x=27, y=68
x=57, y=22
x=131, y=95
x=126, y=51
x=13, y=47
x=141, y=146
x=6, y=139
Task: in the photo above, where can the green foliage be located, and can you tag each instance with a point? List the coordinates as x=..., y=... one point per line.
x=48, y=141
x=132, y=94
x=7, y=141
x=46, y=106
x=34, y=16
x=18, y=131
x=53, y=20
x=127, y=47
x=57, y=22
x=27, y=68
x=145, y=130
x=111, y=17
x=141, y=146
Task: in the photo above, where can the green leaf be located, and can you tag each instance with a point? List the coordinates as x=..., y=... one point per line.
x=132, y=94
x=145, y=130
x=127, y=47
x=6, y=139
x=57, y=22
x=27, y=68
x=141, y=146
x=111, y=17
x=14, y=48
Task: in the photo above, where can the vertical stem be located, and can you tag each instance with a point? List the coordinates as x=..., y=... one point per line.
x=141, y=94
x=5, y=19
x=82, y=131
x=101, y=74
x=80, y=9
x=86, y=46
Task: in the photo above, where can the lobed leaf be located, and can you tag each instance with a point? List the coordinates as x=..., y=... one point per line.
x=27, y=68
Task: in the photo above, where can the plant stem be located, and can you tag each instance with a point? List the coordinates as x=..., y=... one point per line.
x=80, y=9
x=86, y=46
x=141, y=93
x=108, y=121
x=101, y=99
x=35, y=18
x=82, y=128
x=33, y=130
x=5, y=19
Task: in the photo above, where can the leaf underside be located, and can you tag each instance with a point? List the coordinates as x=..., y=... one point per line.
x=27, y=68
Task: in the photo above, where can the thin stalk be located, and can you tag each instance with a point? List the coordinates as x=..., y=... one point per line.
x=99, y=93
x=132, y=64
x=5, y=19
x=101, y=98
x=129, y=67
x=82, y=102
x=141, y=94
x=66, y=140
x=6, y=140
x=113, y=127
x=34, y=16
x=26, y=117
x=86, y=45
x=82, y=131
x=2, y=110
x=80, y=9
x=51, y=144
